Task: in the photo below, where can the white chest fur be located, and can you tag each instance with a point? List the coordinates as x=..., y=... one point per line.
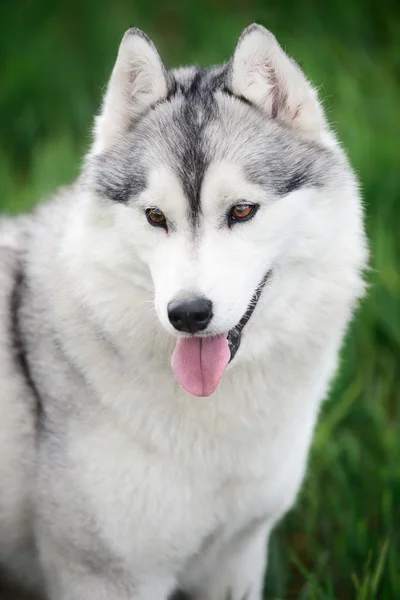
x=185, y=468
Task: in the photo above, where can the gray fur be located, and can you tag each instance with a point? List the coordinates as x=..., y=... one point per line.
x=88, y=393
x=202, y=120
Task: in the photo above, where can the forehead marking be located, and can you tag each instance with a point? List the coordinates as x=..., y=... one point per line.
x=282, y=163
x=197, y=110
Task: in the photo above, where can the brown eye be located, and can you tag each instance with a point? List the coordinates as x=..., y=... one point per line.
x=156, y=217
x=242, y=212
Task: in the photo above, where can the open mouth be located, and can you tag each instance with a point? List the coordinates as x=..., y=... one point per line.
x=198, y=363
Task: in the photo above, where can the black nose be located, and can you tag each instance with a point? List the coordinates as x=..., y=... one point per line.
x=190, y=315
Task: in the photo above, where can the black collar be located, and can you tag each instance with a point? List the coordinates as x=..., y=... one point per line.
x=234, y=336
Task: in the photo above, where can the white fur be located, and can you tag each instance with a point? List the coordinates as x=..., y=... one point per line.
x=185, y=491
x=188, y=489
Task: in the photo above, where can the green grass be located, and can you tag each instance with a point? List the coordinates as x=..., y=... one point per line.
x=342, y=541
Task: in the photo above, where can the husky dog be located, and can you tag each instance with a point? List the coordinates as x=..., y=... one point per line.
x=169, y=327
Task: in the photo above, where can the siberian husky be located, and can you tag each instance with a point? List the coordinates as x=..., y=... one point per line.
x=169, y=326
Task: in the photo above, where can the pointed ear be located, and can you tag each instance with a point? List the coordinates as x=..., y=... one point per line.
x=138, y=79
x=265, y=75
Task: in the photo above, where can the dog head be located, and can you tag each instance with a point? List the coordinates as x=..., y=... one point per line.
x=216, y=180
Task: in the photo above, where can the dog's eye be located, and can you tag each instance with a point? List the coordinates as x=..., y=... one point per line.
x=156, y=217
x=242, y=212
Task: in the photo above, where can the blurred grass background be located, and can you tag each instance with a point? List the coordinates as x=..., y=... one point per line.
x=342, y=541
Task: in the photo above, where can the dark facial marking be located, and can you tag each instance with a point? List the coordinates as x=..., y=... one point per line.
x=229, y=92
x=287, y=163
x=193, y=162
x=297, y=179
x=282, y=164
x=116, y=178
x=179, y=595
x=197, y=110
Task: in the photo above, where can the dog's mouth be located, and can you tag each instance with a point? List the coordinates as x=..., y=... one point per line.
x=198, y=363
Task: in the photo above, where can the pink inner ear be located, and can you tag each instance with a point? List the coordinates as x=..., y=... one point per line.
x=264, y=74
x=297, y=113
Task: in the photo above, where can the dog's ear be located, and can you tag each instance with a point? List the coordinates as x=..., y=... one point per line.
x=138, y=80
x=262, y=73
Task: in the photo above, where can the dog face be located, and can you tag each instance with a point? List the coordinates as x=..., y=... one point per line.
x=216, y=180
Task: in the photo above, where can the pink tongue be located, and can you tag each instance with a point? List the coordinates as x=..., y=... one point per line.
x=198, y=363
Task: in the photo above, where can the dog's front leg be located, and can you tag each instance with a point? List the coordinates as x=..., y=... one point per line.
x=67, y=584
x=236, y=571
x=70, y=578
